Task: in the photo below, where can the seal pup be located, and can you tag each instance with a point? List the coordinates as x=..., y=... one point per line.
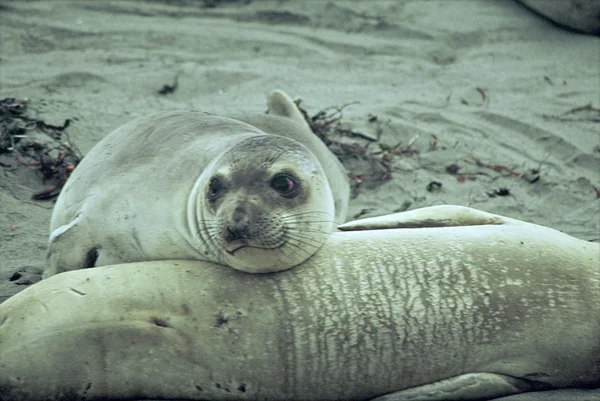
x=440, y=311
x=258, y=193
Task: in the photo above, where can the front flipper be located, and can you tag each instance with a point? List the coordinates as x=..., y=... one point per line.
x=433, y=216
x=470, y=386
x=70, y=247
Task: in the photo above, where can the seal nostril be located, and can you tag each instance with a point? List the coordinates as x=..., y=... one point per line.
x=236, y=232
x=232, y=235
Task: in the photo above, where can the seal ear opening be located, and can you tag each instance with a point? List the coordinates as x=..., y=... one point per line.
x=280, y=104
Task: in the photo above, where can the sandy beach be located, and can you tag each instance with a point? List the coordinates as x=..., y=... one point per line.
x=475, y=102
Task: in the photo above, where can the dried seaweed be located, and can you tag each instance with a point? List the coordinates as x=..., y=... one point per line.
x=168, y=89
x=33, y=143
x=348, y=144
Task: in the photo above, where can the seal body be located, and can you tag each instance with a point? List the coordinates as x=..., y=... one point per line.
x=188, y=185
x=579, y=15
x=475, y=312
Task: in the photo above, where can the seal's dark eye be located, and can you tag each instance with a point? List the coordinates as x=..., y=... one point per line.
x=285, y=185
x=215, y=188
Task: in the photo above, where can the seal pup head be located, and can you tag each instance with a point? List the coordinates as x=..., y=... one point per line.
x=266, y=206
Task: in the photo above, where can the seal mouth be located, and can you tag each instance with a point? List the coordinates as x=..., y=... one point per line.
x=233, y=248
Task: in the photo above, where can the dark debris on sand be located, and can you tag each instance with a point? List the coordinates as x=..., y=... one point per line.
x=27, y=142
x=375, y=159
x=370, y=162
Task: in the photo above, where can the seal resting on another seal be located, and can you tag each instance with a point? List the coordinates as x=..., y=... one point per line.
x=259, y=193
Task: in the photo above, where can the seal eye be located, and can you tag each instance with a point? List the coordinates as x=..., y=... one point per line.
x=285, y=185
x=215, y=187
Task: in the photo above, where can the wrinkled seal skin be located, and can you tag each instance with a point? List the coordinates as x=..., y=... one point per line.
x=145, y=192
x=483, y=311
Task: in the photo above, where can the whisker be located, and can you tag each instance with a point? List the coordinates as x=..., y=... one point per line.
x=291, y=209
x=297, y=222
x=298, y=248
x=300, y=216
x=307, y=231
x=287, y=211
x=304, y=218
x=304, y=239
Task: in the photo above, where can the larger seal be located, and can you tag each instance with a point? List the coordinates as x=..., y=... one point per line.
x=254, y=193
x=460, y=305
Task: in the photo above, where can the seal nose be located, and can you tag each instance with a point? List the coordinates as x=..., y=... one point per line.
x=238, y=229
x=238, y=214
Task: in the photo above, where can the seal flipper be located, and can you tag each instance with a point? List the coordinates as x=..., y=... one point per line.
x=470, y=386
x=70, y=248
x=280, y=104
x=433, y=216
